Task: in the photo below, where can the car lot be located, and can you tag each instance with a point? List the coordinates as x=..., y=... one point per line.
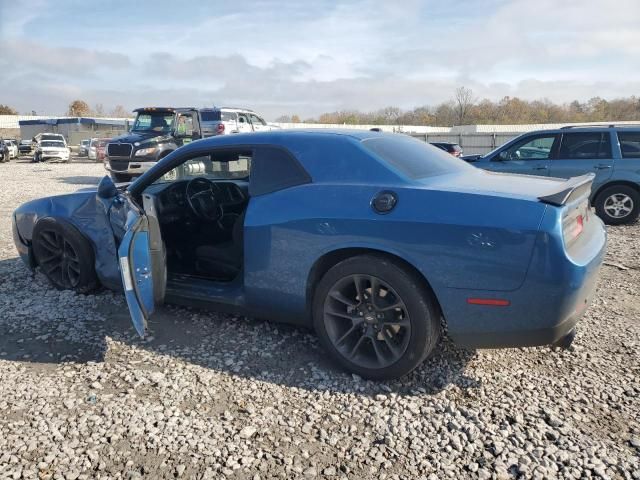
x=209, y=395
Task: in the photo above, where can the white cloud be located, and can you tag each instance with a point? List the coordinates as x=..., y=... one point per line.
x=291, y=57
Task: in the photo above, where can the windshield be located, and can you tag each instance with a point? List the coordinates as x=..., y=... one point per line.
x=160, y=122
x=52, y=143
x=414, y=158
x=51, y=137
x=84, y=143
x=225, y=165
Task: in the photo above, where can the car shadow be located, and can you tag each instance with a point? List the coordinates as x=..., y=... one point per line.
x=80, y=180
x=55, y=327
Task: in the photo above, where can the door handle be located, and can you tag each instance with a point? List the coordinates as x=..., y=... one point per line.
x=541, y=168
x=602, y=167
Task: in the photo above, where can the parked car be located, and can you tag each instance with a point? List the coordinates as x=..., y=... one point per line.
x=92, y=151
x=5, y=153
x=158, y=131
x=25, y=147
x=50, y=136
x=101, y=148
x=13, y=148
x=368, y=237
x=611, y=152
x=83, y=149
x=451, y=148
x=50, y=149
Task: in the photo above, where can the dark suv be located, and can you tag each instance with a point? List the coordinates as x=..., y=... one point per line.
x=611, y=152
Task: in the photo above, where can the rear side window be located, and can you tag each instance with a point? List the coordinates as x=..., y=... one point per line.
x=414, y=158
x=629, y=144
x=576, y=146
x=275, y=169
x=210, y=116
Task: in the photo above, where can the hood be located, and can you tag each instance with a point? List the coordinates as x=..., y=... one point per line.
x=139, y=137
x=483, y=182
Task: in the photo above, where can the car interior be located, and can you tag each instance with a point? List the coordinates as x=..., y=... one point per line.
x=200, y=207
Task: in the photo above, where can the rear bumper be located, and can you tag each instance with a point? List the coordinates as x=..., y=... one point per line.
x=555, y=294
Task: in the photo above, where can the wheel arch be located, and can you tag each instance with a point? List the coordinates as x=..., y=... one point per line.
x=329, y=259
x=613, y=183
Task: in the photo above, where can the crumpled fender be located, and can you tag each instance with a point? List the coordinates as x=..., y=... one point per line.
x=89, y=214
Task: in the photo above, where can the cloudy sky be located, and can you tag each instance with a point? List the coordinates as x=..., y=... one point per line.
x=286, y=57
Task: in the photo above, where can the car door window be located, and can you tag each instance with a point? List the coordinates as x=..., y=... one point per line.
x=242, y=119
x=185, y=125
x=537, y=148
x=224, y=164
x=257, y=121
x=585, y=145
x=629, y=144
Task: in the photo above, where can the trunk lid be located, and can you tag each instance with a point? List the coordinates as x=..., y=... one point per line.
x=554, y=191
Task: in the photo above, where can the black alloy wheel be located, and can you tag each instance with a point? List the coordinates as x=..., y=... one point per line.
x=367, y=321
x=64, y=256
x=375, y=316
x=60, y=263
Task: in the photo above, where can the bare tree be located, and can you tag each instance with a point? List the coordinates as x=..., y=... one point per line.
x=464, y=100
x=98, y=110
x=120, y=112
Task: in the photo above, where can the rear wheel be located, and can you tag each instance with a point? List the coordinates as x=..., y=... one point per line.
x=375, y=317
x=618, y=204
x=64, y=255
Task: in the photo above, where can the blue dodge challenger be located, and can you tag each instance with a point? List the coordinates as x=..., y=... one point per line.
x=378, y=241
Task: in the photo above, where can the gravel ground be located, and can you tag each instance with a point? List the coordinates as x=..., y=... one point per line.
x=212, y=395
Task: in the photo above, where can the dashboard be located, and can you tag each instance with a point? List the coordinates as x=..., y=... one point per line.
x=171, y=198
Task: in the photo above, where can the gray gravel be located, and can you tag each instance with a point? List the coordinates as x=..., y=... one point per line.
x=212, y=395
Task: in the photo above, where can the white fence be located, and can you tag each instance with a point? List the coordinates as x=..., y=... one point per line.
x=474, y=139
x=471, y=143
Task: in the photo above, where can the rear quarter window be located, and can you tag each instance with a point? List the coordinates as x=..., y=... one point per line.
x=629, y=144
x=414, y=158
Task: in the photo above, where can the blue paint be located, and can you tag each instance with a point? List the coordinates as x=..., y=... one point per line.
x=468, y=232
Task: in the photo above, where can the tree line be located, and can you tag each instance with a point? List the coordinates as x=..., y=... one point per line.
x=465, y=109
x=78, y=108
x=462, y=109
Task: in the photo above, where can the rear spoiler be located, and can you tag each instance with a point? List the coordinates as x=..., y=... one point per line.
x=572, y=189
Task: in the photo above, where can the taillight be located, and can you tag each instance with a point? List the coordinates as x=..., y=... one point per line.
x=573, y=223
x=220, y=128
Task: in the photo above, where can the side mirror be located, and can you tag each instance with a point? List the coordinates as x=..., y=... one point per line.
x=106, y=188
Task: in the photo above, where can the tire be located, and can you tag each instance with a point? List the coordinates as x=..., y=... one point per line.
x=120, y=177
x=618, y=204
x=64, y=256
x=387, y=348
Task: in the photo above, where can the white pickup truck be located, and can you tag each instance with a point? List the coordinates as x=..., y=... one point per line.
x=226, y=120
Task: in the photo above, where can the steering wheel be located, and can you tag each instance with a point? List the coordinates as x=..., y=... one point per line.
x=202, y=200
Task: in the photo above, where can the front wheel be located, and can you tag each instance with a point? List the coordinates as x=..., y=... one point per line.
x=64, y=255
x=618, y=204
x=375, y=317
